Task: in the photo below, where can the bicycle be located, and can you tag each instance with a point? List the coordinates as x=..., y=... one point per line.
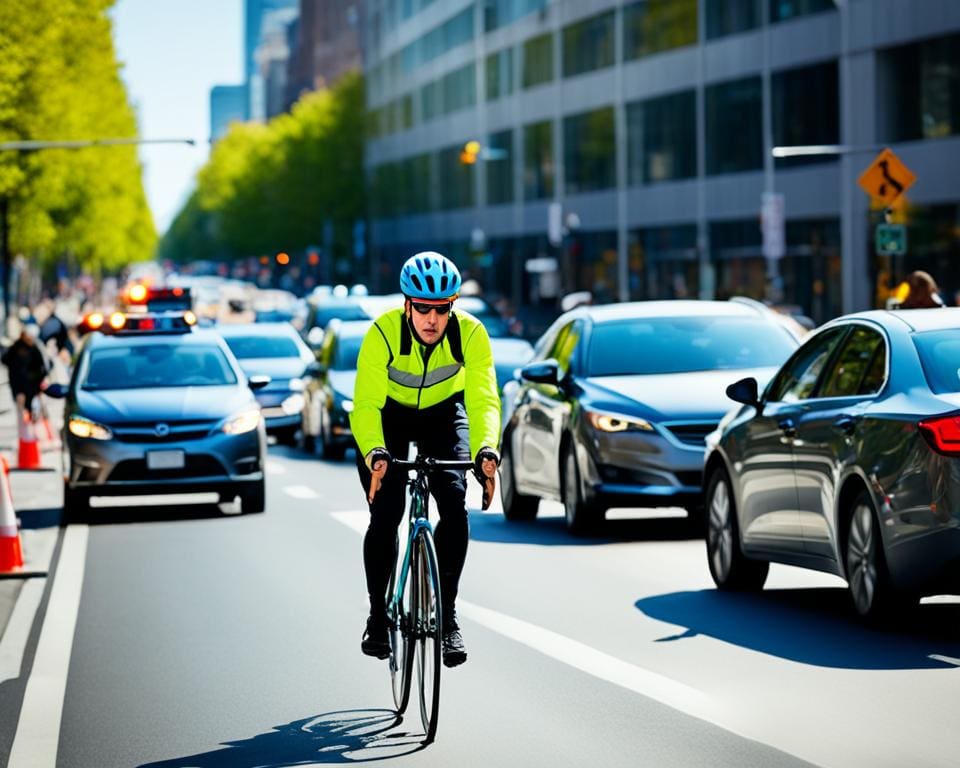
x=413, y=601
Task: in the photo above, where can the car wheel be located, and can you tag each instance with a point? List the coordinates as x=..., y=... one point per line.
x=516, y=506
x=287, y=436
x=76, y=504
x=253, y=499
x=582, y=516
x=729, y=567
x=308, y=443
x=871, y=589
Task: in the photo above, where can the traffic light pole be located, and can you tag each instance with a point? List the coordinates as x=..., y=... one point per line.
x=5, y=254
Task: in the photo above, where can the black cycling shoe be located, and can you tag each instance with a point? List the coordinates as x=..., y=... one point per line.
x=375, y=641
x=454, y=651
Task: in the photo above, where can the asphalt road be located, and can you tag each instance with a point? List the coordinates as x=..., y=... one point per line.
x=214, y=641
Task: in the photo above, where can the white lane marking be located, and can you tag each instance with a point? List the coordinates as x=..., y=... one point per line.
x=355, y=519
x=15, y=636
x=275, y=467
x=38, y=731
x=300, y=491
x=944, y=659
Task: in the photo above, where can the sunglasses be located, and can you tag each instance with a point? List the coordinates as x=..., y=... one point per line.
x=426, y=309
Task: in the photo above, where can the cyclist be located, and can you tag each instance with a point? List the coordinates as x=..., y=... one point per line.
x=425, y=374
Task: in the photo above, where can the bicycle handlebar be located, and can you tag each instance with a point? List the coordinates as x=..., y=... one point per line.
x=425, y=463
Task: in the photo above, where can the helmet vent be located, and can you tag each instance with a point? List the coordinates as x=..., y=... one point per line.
x=431, y=285
x=416, y=281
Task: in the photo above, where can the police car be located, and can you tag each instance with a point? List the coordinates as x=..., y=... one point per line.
x=157, y=406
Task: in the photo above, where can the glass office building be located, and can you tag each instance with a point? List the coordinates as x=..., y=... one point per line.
x=624, y=147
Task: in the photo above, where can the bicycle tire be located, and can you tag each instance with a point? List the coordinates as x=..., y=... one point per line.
x=400, y=661
x=429, y=632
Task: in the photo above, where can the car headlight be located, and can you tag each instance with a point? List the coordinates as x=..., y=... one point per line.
x=247, y=421
x=347, y=406
x=81, y=427
x=296, y=385
x=614, y=422
x=293, y=404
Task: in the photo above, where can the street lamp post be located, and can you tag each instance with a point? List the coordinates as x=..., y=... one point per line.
x=34, y=145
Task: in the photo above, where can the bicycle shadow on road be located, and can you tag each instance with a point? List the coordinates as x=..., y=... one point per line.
x=552, y=531
x=812, y=626
x=350, y=736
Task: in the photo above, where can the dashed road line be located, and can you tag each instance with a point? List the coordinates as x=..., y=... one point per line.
x=300, y=491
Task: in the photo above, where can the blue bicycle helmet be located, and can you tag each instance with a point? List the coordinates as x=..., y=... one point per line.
x=429, y=275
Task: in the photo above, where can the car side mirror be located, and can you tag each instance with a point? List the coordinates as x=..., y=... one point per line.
x=542, y=372
x=258, y=381
x=745, y=391
x=56, y=390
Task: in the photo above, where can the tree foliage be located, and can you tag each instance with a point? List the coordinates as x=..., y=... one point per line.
x=60, y=80
x=268, y=188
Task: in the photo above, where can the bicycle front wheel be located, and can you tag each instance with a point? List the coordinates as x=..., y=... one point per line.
x=429, y=631
x=401, y=639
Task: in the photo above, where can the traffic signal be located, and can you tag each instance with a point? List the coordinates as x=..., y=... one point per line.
x=470, y=152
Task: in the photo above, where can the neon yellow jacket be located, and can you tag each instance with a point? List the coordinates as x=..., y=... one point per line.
x=391, y=365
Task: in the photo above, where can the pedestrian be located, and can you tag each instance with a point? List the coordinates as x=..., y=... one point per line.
x=26, y=366
x=54, y=328
x=924, y=292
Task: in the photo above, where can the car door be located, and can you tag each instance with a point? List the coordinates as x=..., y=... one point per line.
x=826, y=430
x=544, y=416
x=768, y=490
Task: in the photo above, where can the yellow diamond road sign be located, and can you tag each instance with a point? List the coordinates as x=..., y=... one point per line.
x=887, y=178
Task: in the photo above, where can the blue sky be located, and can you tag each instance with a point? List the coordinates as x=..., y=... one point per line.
x=172, y=53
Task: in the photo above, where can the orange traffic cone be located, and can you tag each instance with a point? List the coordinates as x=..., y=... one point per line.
x=28, y=455
x=11, y=551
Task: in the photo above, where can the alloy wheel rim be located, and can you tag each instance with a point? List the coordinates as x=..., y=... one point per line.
x=720, y=532
x=861, y=559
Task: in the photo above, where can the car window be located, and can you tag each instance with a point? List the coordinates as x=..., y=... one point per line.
x=798, y=378
x=345, y=311
x=566, y=344
x=656, y=345
x=876, y=372
x=148, y=366
x=347, y=352
x=940, y=357
x=856, y=357
x=251, y=347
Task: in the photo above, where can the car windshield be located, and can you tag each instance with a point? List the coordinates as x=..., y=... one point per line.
x=348, y=349
x=247, y=347
x=338, y=312
x=682, y=344
x=940, y=357
x=157, y=365
x=495, y=325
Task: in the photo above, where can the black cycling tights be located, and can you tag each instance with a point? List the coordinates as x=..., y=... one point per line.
x=440, y=432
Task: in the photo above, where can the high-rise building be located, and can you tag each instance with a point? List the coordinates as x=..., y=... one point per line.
x=624, y=147
x=228, y=103
x=328, y=44
x=255, y=13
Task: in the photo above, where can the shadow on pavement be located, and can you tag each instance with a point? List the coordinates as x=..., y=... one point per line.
x=148, y=514
x=552, y=531
x=812, y=626
x=298, y=454
x=32, y=519
x=352, y=736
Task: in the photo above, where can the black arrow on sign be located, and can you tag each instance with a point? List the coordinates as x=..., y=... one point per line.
x=892, y=181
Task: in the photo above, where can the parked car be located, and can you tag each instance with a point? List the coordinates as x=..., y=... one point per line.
x=848, y=462
x=277, y=351
x=329, y=392
x=322, y=308
x=156, y=406
x=614, y=408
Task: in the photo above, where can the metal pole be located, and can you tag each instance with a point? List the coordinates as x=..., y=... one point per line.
x=5, y=252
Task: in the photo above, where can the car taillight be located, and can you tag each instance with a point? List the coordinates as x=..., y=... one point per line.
x=943, y=433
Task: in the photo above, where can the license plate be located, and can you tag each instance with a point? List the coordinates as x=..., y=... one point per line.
x=165, y=460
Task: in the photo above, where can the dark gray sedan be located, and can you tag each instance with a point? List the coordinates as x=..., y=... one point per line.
x=849, y=463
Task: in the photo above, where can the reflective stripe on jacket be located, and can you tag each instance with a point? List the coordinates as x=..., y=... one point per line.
x=391, y=365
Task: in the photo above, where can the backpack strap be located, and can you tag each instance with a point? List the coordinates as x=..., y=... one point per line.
x=453, y=336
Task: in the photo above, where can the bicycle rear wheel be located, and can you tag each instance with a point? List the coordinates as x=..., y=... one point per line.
x=401, y=640
x=429, y=631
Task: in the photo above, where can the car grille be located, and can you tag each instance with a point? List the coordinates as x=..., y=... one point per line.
x=691, y=433
x=194, y=466
x=146, y=432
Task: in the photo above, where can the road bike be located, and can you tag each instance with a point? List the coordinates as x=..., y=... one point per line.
x=413, y=601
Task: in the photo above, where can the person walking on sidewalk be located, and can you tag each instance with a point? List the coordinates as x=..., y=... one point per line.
x=26, y=366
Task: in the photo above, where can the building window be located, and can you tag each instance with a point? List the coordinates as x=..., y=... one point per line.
x=650, y=26
x=538, y=164
x=736, y=252
x=499, y=166
x=538, y=60
x=500, y=74
x=499, y=13
x=662, y=138
x=457, y=190
x=783, y=10
x=588, y=45
x=431, y=100
x=459, y=89
x=806, y=110
x=664, y=262
x=920, y=90
x=734, y=126
x=728, y=17
x=590, y=151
